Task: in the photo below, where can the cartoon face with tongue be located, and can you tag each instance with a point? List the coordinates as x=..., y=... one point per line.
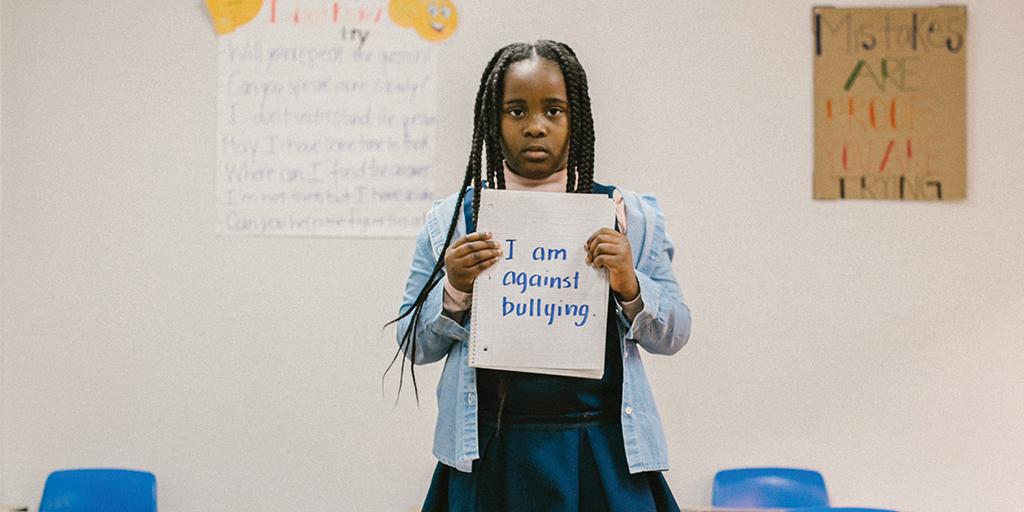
x=433, y=20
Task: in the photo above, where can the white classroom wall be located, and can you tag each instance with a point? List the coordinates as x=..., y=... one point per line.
x=878, y=342
x=3, y=416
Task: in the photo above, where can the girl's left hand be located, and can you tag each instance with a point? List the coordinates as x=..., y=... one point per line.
x=610, y=249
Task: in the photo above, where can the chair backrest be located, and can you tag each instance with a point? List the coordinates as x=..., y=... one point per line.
x=769, y=488
x=99, y=490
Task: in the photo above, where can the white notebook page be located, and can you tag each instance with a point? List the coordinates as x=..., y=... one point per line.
x=541, y=308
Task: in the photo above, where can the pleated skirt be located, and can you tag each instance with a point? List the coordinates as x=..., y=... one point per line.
x=578, y=465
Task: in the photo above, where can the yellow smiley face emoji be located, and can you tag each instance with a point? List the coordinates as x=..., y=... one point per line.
x=230, y=14
x=433, y=20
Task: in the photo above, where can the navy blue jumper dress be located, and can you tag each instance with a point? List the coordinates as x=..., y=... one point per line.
x=558, y=446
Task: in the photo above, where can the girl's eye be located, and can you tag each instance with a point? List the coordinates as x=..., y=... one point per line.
x=515, y=112
x=554, y=111
x=446, y=12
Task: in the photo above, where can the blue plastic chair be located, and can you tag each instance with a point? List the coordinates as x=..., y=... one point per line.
x=769, y=488
x=99, y=490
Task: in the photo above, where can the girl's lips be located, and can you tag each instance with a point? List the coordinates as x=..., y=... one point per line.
x=535, y=154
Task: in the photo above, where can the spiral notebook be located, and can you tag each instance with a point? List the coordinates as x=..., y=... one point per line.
x=541, y=308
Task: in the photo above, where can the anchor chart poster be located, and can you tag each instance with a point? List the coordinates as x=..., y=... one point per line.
x=890, y=103
x=326, y=119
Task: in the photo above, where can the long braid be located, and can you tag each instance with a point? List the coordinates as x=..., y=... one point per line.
x=484, y=116
x=407, y=345
x=586, y=139
x=408, y=342
x=495, y=160
x=494, y=97
x=491, y=176
x=501, y=172
x=487, y=119
x=575, y=120
x=581, y=134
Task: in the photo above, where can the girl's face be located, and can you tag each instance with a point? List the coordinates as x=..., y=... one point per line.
x=535, y=118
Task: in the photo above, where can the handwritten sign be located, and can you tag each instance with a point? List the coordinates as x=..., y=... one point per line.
x=326, y=120
x=541, y=309
x=889, y=103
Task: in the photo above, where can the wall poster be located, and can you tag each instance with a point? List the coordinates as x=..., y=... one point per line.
x=326, y=117
x=889, y=103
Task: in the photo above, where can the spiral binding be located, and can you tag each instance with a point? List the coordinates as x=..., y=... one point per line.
x=473, y=327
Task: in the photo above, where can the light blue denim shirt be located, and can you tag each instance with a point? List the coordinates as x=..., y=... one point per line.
x=662, y=327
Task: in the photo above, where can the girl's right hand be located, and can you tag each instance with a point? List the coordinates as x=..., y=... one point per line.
x=469, y=256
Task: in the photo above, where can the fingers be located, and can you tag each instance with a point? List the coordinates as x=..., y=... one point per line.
x=604, y=248
x=469, y=247
x=471, y=254
x=483, y=265
x=476, y=247
x=603, y=236
x=603, y=232
x=472, y=237
x=604, y=261
x=467, y=269
x=476, y=257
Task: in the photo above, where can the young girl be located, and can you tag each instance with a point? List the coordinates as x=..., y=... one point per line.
x=509, y=441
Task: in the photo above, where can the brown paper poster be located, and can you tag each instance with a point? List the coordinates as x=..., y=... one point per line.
x=889, y=103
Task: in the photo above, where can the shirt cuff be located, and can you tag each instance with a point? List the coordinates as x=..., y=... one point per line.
x=456, y=301
x=633, y=308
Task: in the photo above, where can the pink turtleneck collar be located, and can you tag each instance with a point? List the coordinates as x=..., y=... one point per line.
x=554, y=183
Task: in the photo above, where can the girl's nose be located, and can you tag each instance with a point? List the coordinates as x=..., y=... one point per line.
x=535, y=128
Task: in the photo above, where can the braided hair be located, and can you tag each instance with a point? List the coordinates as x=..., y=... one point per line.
x=487, y=140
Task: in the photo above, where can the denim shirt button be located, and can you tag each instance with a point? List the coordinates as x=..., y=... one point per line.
x=470, y=398
x=629, y=410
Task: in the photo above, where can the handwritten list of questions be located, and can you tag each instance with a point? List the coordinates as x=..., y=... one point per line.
x=326, y=123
